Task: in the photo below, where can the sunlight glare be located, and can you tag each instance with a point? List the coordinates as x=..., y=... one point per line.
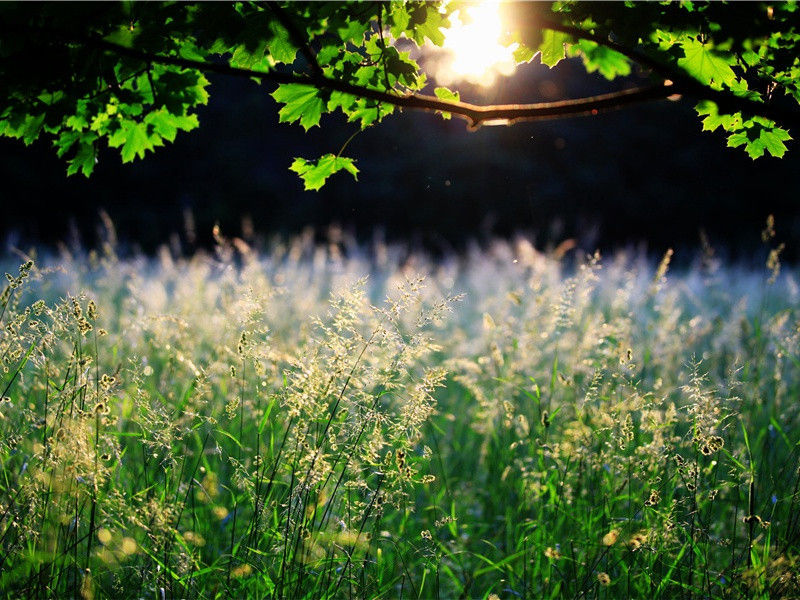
x=473, y=48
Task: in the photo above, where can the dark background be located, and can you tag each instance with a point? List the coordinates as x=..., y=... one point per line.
x=645, y=177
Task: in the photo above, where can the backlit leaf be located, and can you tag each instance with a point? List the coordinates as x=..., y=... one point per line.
x=84, y=159
x=608, y=62
x=713, y=120
x=303, y=103
x=444, y=93
x=709, y=66
x=315, y=173
x=758, y=138
x=523, y=54
x=552, y=47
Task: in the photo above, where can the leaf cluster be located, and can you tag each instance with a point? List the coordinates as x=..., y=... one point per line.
x=130, y=76
x=740, y=50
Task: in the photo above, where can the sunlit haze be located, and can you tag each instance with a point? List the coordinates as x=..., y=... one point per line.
x=472, y=48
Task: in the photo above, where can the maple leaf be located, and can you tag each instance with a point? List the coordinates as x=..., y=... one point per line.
x=314, y=174
x=303, y=103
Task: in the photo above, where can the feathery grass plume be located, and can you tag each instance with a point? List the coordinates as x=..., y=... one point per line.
x=276, y=425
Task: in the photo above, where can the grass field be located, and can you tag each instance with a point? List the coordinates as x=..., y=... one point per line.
x=312, y=423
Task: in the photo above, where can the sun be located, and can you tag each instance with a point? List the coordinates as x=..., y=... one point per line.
x=472, y=48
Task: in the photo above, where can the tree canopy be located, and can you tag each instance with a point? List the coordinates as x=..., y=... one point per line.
x=132, y=75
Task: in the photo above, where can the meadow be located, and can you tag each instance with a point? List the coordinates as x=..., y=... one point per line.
x=326, y=422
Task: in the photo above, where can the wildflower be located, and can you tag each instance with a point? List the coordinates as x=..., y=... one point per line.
x=756, y=519
x=637, y=540
x=552, y=553
x=425, y=534
x=603, y=579
x=444, y=521
x=241, y=571
x=654, y=498
x=611, y=537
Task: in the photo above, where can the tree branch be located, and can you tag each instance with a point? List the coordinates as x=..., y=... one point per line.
x=684, y=83
x=475, y=115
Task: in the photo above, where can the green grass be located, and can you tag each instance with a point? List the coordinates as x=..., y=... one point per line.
x=302, y=425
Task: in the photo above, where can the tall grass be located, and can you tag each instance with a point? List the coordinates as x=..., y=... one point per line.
x=309, y=423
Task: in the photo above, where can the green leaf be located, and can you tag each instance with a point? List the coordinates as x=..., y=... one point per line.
x=84, y=159
x=399, y=18
x=444, y=93
x=136, y=143
x=353, y=31
x=246, y=58
x=368, y=112
x=327, y=53
x=27, y=127
x=707, y=65
x=715, y=120
x=772, y=140
x=609, y=63
x=523, y=54
x=552, y=47
x=303, y=103
x=65, y=141
x=314, y=174
x=179, y=90
x=135, y=140
x=280, y=46
x=166, y=125
x=359, y=109
x=427, y=22
x=77, y=122
x=757, y=138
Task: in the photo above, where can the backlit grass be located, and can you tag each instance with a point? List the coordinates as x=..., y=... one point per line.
x=313, y=423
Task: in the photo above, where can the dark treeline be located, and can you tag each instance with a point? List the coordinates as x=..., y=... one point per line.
x=646, y=175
